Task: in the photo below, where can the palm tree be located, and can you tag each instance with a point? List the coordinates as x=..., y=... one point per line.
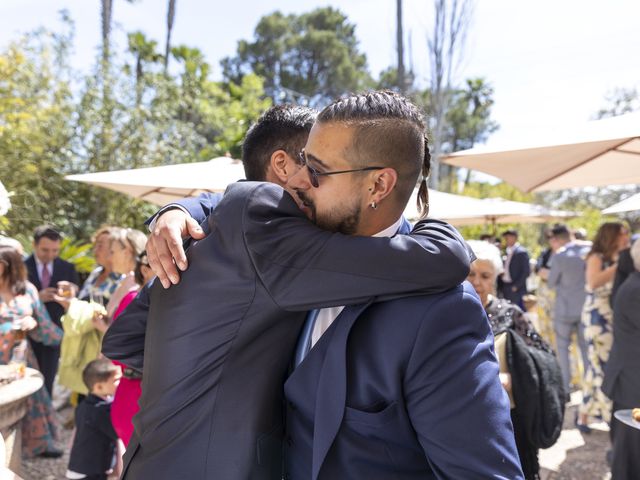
x=171, y=15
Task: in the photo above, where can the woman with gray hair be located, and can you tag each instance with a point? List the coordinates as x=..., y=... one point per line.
x=529, y=371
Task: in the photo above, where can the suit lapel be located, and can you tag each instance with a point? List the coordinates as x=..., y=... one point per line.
x=33, y=272
x=332, y=387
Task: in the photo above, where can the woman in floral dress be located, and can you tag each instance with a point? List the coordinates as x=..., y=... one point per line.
x=20, y=305
x=597, y=318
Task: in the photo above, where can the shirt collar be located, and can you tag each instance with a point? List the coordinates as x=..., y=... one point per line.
x=391, y=230
x=40, y=264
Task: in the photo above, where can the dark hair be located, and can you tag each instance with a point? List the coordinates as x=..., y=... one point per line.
x=389, y=131
x=15, y=273
x=46, y=231
x=561, y=231
x=96, y=371
x=606, y=239
x=510, y=232
x=141, y=260
x=283, y=127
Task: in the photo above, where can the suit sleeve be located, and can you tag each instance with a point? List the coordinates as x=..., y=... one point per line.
x=625, y=268
x=555, y=272
x=520, y=278
x=453, y=394
x=124, y=340
x=199, y=207
x=304, y=267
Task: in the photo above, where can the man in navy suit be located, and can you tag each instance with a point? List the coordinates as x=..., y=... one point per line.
x=407, y=388
x=217, y=344
x=45, y=270
x=512, y=284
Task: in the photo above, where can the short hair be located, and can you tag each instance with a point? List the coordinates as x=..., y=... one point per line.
x=487, y=252
x=635, y=254
x=389, y=131
x=132, y=237
x=110, y=230
x=15, y=273
x=282, y=127
x=46, y=231
x=510, y=232
x=561, y=231
x=98, y=370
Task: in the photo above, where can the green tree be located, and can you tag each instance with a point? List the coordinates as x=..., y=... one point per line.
x=620, y=101
x=313, y=56
x=36, y=127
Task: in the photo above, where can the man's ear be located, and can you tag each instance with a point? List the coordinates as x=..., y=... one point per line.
x=384, y=181
x=281, y=167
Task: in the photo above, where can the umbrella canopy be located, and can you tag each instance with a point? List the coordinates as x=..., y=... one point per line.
x=460, y=210
x=165, y=184
x=628, y=205
x=602, y=152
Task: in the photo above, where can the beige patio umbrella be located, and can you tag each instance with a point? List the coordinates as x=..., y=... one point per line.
x=599, y=153
x=165, y=184
x=627, y=205
x=460, y=210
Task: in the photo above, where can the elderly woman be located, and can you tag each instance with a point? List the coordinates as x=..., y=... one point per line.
x=23, y=314
x=529, y=371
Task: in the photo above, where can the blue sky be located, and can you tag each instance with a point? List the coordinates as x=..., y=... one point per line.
x=551, y=62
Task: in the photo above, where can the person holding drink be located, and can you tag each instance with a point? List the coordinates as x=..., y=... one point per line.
x=51, y=276
x=23, y=315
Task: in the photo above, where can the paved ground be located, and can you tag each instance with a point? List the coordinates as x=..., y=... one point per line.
x=574, y=457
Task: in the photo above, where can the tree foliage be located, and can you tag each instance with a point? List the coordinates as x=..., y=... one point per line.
x=313, y=56
x=128, y=113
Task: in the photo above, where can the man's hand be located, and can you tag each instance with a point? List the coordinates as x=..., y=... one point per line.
x=164, y=247
x=47, y=294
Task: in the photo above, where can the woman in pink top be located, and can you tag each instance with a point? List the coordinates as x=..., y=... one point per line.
x=129, y=258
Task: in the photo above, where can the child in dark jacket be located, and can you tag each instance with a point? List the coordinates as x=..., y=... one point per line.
x=93, y=451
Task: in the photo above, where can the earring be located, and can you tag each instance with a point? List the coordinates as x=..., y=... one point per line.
x=373, y=205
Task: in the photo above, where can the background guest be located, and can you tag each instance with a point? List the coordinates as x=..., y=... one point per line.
x=513, y=281
x=21, y=311
x=625, y=268
x=532, y=380
x=128, y=258
x=82, y=339
x=622, y=373
x=45, y=271
x=597, y=318
x=566, y=278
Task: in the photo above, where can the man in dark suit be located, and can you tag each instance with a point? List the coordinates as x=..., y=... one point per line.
x=625, y=268
x=407, y=388
x=512, y=284
x=218, y=344
x=45, y=271
x=622, y=372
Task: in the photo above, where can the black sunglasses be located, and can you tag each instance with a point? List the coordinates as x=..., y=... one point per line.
x=314, y=174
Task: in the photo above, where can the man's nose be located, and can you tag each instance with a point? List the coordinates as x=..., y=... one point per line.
x=300, y=181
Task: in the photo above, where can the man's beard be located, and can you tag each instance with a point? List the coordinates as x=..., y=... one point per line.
x=345, y=221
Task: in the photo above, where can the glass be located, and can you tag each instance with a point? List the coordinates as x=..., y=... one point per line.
x=314, y=174
x=65, y=290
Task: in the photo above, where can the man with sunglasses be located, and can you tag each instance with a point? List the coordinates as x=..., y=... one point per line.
x=218, y=344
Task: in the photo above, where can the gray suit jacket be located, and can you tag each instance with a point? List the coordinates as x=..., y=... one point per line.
x=622, y=372
x=218, y=344
x=567, y=278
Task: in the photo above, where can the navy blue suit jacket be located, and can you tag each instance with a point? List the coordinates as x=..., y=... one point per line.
x=404, y=389
x=218, y=344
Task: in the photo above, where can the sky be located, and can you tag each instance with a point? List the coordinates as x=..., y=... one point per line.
x=550, y=62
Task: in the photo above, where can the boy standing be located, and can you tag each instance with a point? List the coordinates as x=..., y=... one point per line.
x=92, y=453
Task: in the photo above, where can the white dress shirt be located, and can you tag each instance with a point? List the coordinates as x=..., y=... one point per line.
x=328, y=315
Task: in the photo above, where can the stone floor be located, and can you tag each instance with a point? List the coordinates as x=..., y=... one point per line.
x=574, y=457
